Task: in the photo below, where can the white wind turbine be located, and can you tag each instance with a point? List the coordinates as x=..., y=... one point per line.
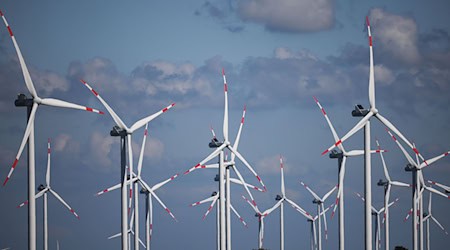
x=224, y=172
x=43, y=191
x=377, y=213
x=365, y=122
x=312, y=221
x=125, y=142
x=130, y=232
x=280, y=204
x=387, y=192
x=320, y=209
x=32, y=104
x=150, y=191
x=342, y=159
x=427, y=218
x=418, y=186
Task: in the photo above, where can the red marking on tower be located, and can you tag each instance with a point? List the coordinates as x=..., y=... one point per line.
x=89, y=109
x=145, y=132
x=370, y=41
x=446, y=153
x=323, y=111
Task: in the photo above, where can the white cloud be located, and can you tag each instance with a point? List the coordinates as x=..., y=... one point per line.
x=398, y=35
x=289, y=15
x=64, y=142
x=383, y=75
x=47, y=81
x=100, y=147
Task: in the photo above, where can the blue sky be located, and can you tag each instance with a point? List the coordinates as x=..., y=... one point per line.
x=142, y=56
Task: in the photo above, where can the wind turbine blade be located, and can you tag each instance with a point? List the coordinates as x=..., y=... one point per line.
x=270, y=210
x=47, y=175
x=340, y=187
x=239, y=216
x=141, y=154
x=212, y=132
x=236, y=181
x=283, y=189
x=386, y=173
x=30, y=125
x=386, y=201
x=325, y=197
x=241, y=179
x=432, y=160
x=157, y=186
x=64, y=203
x=310, y=191
x=436, y=192
x=355, y=129
x=225, y=113
x=333, y=131
x=400, y=184
x=240, y=157
x=114, y=236
x=204, y=200
x=324, y=221
x=447, y=188
x=114, y=187
x=63, y=104
x=113, y=114
x=408, y=157
x=238, y=136
x=409, y=214
x=208, y=158
x=439, y=224
x=371, y=68
x=25, y=72
x=149, y=118
x=214, y=201
x=22, y=204
x=299, y=209
x=158, y=199
x=251, y=204
x=429, y=204
x=396, y=131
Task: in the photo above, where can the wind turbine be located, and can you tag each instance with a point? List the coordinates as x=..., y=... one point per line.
x=387, y=192
x=280, y=204
x=130, y=232
x=342, y=156
x=376, y=213
x=312, y=221
x=365, y=122
x=32, y=105
x=427, y=218
x=125, y=142
x=415, y=167
x=43, y=191
x=224, y=174
x=150, y=191
x=320, y=208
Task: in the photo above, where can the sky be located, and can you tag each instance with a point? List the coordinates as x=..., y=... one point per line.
x=144, y=55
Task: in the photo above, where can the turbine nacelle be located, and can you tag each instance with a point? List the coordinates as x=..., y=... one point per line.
x=409, y=168
x=215, y=143
x=23, y=101
x=41, y=187
x=278, y=197
x=317, y=201
x=359, y=111
x=382, y=183
x=336, y=154
x=117, y=131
